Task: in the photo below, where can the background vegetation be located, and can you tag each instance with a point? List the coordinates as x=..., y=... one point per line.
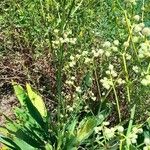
x=90, y=61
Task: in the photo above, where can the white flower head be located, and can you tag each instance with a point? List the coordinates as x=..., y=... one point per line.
x=107, y=44
x=116, y=42
x=147, y=141
x=72, y=64
x=120, y=129
x=87, y=60
x=126, y=44
x=84, y=53
x=136, y=17
x=137, y=28
x=78, y=89
x=146, y=31
x=71, y=57
x=135, y=69
x=111, y=67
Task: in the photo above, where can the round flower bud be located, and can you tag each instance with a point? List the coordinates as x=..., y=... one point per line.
x=116, y=42
x=147, y=141
x=146, y=31
x=126, y=44
x=137, y=28
x=136, y=17
x=107, y=44
x=120, y=129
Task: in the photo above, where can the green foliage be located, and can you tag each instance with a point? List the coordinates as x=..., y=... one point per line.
x=100, y=52
x=32, y=130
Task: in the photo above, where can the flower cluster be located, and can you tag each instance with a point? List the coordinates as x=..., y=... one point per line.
x=146, y=80
x=144, y=51
x=133, y=135
x=147, y=143
x=64, y=39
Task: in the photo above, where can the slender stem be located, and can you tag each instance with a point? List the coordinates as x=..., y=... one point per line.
x=127, y=77
x=116, y=98
x=130, y=125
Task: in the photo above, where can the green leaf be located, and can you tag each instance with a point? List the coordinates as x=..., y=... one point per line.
x=35, y=114
x=71, y=126
x=20, y=93
x=23, y=145
x=36, y=101
x=86, y=128
x=9, y=143
x=48, y=147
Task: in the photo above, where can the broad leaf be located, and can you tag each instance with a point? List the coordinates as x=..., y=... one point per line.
x=20, y=93
x=86, y=128
x=37, y=101
x=9, y=143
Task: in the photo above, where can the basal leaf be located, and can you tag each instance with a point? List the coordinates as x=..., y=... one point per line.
x=37, y=101
x=20, y=93
x=86, y=128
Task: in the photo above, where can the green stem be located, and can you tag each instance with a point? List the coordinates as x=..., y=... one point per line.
x=116, y=98
x=130, y=125
x=127, y=77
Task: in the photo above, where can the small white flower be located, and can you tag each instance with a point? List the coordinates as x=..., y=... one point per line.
x=147, y=141
x=73, y=40
x=135, y=69
x=72, y=63
x=137, y=28
x=93, y=98
x=108, y=72
x=107, y=44
x=78, y=89
x=84, y=53
x=61, y=40
x=78, y=56
x=146, y=31
x=140, y=130
x=56, y=30
x=144, y=82
x=73, y=78
x=108, y=53
x=69, y=82
x=100, y=51
x=136, y=17
x=95, y=53
x=105, y=123
x=71, y=57
x=135, y=129
x=87, y=60
x=109, y=133
x=66, y=40
x=116, y=42
x=113, y=73
x=146, y=147
x=142, y=25
x=111, y=67
x=135, y=39
x=97, y=129
x=126, y=44
x=133, y=141
x=120, y=81
x=128, y=56
x=114, y=48
x=120, y=129
x=106, y=83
